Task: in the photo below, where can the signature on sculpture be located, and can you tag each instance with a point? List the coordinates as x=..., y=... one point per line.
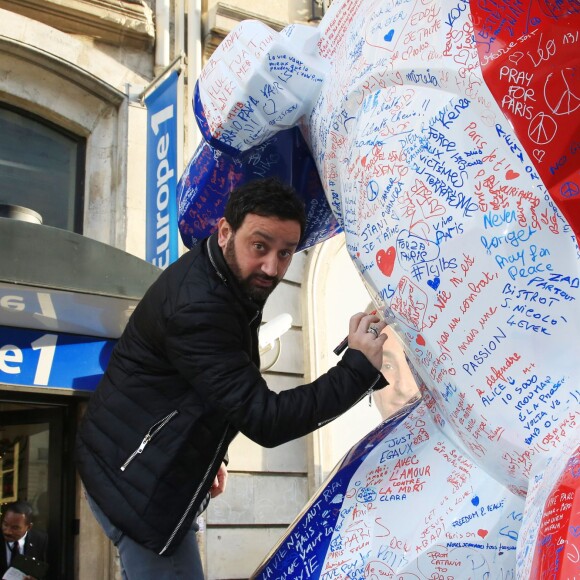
x=443, y=138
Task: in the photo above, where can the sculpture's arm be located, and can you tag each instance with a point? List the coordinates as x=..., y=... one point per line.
x=256, y=83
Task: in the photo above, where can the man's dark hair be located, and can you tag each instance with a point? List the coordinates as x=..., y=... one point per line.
x=19, y=507
x=267, y=198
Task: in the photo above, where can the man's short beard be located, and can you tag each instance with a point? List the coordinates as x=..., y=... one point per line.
x=258, y=294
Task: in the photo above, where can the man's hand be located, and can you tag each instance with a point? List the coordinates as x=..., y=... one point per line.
x=220, y=481
x=368, y=342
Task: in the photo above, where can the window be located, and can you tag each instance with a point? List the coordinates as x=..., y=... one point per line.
x=41, y=168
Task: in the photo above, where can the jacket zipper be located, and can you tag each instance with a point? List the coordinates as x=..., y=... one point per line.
x=188, y=509
x=258, y=312
x=212, y=260
x=368, y=392
x=150, y=434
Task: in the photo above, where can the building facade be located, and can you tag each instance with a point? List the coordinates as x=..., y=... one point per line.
x=75, y=78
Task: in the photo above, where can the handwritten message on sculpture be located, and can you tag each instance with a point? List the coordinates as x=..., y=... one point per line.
x=353, y=520
x=532, y=72
x=446, y=192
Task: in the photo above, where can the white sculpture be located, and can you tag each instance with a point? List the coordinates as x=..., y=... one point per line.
x=444, y=204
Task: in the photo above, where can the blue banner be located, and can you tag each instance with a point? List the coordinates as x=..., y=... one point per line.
x=36, y=358
x=161, y=223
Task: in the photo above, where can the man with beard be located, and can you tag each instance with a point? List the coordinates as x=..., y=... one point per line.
x=184, y=379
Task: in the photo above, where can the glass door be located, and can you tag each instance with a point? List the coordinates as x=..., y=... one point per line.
x=36, y=466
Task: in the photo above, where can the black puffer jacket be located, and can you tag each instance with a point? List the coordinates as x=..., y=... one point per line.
x=183, y=380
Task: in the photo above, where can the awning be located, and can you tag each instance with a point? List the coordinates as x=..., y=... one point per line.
x=64, y=299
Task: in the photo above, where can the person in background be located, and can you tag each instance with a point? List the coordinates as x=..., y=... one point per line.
x=20, y=537
x=402, y=384
x=184, y=379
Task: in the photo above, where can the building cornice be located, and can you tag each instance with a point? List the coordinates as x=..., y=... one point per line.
x=114, y=22
x=227, y=18
x=66, y=70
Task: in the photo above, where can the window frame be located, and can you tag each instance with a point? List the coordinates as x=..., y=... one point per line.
x=80, y=163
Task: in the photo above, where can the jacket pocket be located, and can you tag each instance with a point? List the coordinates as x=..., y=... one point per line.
x=155, y=428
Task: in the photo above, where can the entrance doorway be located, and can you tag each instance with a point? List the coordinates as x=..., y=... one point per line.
x=36, y=442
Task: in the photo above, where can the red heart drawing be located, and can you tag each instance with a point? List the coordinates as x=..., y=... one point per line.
x=511, y=174
x=386, y=260
x=420, y=340
x=482, y=533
